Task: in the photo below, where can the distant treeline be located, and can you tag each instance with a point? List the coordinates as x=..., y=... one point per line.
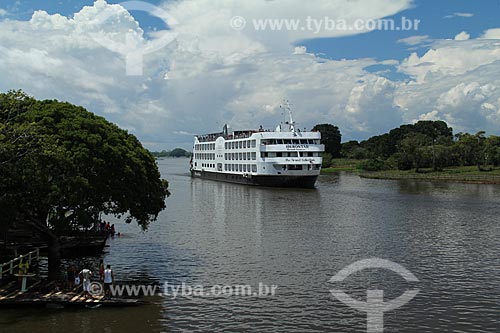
x=177, y=152
x=425, y=144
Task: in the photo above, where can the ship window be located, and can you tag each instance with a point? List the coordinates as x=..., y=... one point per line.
x=244, y=156
x=279, y=154
x=248, y=156
x=241, y=157
x=241, y=168
x=303, y=142
x=254, y=168
x=244, y=144
x=253, y=143
x=287, y=142
x=244, y=168
x=263, y=154
x=240, y=144
x=254, y=156
x=310, y=154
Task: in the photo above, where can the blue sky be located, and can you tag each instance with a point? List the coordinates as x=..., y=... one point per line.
x=366, y=83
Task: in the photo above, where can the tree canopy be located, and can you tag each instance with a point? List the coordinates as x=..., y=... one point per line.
x=60, y=160
x=331, y=138
x=426, y=144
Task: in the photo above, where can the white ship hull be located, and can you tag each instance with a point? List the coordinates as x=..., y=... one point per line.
x=283, y=159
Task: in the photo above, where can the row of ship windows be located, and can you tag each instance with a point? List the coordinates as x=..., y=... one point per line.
x=205, y=156
x=207, y=165
x=290, y=142
x=240, y=144
x=234, y=167
x=240, y=156
x=240, y=167
x=204, y=146
x=228, y=145
x=252, y=156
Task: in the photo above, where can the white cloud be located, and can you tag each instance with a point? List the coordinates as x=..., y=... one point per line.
x=215, y=74
x=451, y=57
x=462, y=36
x=466, y=15
x=491, y=34
x=212, y=74
x=3, y=12
x=415, y=40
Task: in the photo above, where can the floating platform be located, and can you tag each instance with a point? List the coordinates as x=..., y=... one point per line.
x=11, y=296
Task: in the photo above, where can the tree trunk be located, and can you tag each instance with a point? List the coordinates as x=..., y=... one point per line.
x=54, y=247
x=54, y=259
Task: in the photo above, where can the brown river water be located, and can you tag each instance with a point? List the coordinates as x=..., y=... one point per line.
x=217, y=234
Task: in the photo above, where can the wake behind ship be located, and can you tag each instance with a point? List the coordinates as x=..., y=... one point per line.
x=285, y=157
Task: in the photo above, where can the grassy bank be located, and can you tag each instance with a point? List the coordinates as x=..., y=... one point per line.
x=342, y=164
x=455, y=174
x=469, y=174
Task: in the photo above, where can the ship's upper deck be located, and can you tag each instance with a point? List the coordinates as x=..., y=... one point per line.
x=257, y=134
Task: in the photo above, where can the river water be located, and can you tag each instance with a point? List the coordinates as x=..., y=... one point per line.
x=216, y=234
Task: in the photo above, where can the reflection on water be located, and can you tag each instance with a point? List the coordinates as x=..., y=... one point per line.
x=224, y=234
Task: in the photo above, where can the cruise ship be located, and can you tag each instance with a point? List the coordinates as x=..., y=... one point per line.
x=285, y=157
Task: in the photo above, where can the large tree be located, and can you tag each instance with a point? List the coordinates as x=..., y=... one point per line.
x=60, y=162
x=331, y=138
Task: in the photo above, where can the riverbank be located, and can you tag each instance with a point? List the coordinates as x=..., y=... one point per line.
x=342, y=164
x=459, y=174
x=469, y=174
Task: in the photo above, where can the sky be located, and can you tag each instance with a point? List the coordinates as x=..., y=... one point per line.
x=167, y=70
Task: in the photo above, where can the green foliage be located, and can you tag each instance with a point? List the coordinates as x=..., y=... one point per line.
x=373, y=165
x=60, y=159
x=426, y=144
x=386, y=145
x=327, y=160
x=177, y=152
x=353, y=150
x=331, y=138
